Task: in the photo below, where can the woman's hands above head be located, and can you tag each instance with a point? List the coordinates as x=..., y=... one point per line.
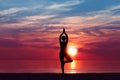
x=63, y=30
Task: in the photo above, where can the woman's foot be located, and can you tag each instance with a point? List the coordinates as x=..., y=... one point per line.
x=68, y=61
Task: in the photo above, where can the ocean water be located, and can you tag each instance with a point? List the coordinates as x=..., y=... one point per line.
x=53, y=66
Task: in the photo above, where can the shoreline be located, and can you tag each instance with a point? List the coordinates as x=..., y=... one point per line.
x=59, y=76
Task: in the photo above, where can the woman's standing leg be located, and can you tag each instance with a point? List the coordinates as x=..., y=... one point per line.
x=62, y=62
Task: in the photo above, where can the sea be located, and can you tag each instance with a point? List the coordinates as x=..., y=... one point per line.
x=54, y=66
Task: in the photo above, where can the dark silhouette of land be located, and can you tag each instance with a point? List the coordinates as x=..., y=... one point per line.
x=63, y=39
x=58, y=76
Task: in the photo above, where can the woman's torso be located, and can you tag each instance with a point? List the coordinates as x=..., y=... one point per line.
x=63, y=47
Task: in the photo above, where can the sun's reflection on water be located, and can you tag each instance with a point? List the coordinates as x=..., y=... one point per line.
x=72, y=67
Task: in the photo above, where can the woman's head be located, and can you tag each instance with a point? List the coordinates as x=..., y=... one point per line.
x=63, y=38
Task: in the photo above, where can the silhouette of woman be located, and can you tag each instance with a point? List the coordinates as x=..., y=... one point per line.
x=63, y=39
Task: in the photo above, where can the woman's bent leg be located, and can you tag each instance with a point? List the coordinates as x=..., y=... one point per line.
x=69, y=59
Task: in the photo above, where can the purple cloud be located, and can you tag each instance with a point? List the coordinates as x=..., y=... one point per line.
x=9, y=43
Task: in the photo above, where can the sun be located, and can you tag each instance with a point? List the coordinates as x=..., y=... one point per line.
x=72, y=50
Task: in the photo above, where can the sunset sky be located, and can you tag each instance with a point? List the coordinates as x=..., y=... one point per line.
x=30, y=29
